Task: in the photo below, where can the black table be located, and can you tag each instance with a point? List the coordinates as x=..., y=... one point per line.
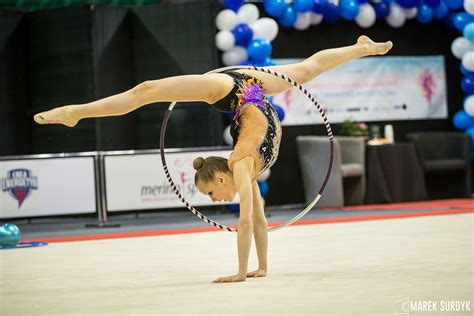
x=394, y=174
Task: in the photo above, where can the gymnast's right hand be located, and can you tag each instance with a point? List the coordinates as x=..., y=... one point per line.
x=61, y=115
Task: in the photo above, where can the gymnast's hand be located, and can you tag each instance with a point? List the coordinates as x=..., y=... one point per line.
x=231, y=278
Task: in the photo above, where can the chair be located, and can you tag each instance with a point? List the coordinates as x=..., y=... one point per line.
x=445, y=159
x=346, y=186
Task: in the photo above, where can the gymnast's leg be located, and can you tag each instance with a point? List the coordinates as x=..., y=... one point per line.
x=318, y=63
x=206, y=88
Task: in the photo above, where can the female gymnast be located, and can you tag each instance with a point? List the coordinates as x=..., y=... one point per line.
x=255, y=129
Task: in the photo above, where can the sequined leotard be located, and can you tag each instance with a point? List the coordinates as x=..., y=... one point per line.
x=255, y=127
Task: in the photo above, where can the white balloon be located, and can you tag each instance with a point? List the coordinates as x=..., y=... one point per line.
x=460, y=46
x=397, y=17
x=366, y=17
x=248, y=13
x=469, y=105
x=225, y=40
x=235, y=56
x=469, y=6
x=265, y=175
x=227, y=137
x=265, y=28
x=226, y=20
x=411, y=13
x=303, y=21
x=468, y=60
x=316, y=18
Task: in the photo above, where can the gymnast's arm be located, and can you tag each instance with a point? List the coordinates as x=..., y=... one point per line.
x=243, y=182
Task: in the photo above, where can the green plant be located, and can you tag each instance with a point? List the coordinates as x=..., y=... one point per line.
x=353, y=128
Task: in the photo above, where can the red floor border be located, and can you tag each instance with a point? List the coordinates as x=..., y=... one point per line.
x=210, y=229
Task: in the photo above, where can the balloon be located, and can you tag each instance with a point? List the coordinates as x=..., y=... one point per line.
x=316, y=18
x=235, y=56
x=432, y=3
x=382, y=10
x=263, y=63
x=302, y=6
x=411, y=13
x=331, y=12
x=470, y=132
x=275, y=8
x=225, y=40
x=234, y=208
x=259, y=49
x=469, y=6
x=468, y=31
x=349, y=9
x=280, y=112
x=362, y=1
x=396, y=17
x=441, y=11
x=265, y=28
x=10, y=235
x=462, y=120
x=366, y=16
x=303, y=21
x=243, y=34
x=227, y=136
x=265, y=175
x=460, y=46
x=425, y=14
x=454, y=4
x=461, y=19
x=469, y=105
x=288, y=18
x=263, y=186
x=467, y=84
x=319, y=6
x=464, y=71
x=468, y=60
x=226, y=20
x=407, y=3
x=233, y=4
x=248, y=13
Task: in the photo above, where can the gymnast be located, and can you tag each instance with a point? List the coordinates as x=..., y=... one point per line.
x=255, y=129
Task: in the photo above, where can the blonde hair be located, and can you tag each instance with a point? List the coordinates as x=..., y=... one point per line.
x=206, y=168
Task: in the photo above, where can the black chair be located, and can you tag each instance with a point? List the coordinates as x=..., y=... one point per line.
x=445, y=159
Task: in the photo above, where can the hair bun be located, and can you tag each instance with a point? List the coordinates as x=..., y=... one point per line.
x=198, y=163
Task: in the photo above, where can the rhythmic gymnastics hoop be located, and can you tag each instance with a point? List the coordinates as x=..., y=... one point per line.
x=323, y=186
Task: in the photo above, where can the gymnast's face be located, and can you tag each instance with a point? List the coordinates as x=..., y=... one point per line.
x=221, y=189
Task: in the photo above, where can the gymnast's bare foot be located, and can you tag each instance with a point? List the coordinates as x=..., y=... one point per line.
x=61, y=115
x=257, y=273
x=373, y=47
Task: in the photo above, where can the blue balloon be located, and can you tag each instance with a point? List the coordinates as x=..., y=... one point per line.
x=288, y=18
x=424, y=14
x=275, y=8
x=280, y=112
x=467, y=84
x=432, y=3
x=331, y=12
x=349, y=9
x=263, y=186
x=461, y=19
x=267, y=62
x=408, y=3
x=462, y=120
x=470, y=132
x=243, y=34
x=233, y=4
x=468, y=31
x=234, y=208
x=449, y=21
x=382, y=10
x=441, y=11
x=454, y=4
x=10, y=235
x=259, y=49
x=464, y=71
x=303, y=5
x=362, y=1
x=319, y=6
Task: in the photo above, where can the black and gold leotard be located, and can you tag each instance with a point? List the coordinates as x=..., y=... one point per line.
x=255, y=127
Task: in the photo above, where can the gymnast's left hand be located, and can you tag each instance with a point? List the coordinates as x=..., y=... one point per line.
x=231, y=278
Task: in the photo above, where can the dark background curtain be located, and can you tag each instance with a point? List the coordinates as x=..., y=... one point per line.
x=78, y=54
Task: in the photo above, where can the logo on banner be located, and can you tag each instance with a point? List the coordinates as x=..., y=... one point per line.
x=19, y=183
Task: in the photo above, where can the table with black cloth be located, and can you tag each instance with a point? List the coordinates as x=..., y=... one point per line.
x=394, y=174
